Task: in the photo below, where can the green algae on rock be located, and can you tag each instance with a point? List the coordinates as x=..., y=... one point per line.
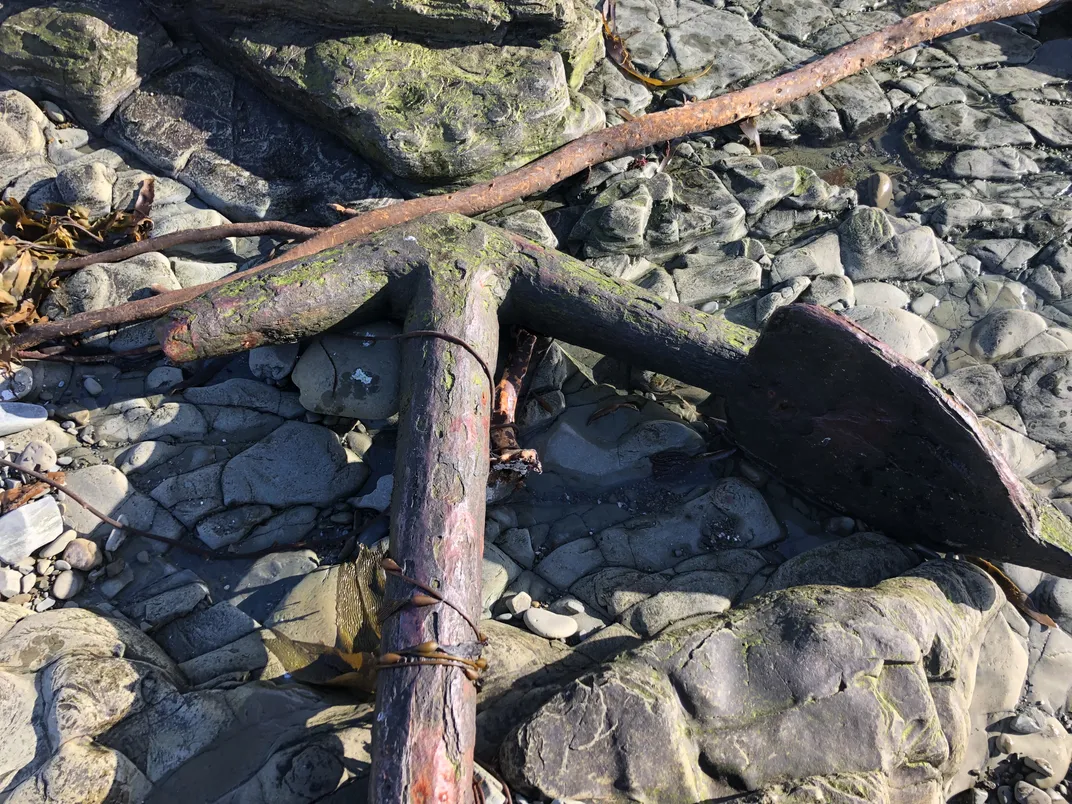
x=429, y=115
x=89, y=55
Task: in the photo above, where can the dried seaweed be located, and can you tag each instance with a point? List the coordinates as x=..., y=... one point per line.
x=619, y=54
x=31, y=241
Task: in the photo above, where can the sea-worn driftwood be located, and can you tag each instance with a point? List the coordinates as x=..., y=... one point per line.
x=877, y=437
x=586, y=151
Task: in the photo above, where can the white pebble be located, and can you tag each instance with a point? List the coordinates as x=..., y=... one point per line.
x=67, y=585
x=549, y=625
x=518, y=604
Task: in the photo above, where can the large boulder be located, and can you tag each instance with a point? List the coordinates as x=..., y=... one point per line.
x=87, y=55
x=428, y=114
x=96, y=713
x=863, y=688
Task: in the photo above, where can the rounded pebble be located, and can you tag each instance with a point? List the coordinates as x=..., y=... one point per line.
x=162, y=378
x=1040, y=766
x=92, y=386
x=67, y=585
x=876, y=190
x=61, y=565
x=37, y=455
x=549, y=625
x=57, y=545
x=82, y=554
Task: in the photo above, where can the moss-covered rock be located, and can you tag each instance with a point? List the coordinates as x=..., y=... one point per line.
x=439, y=18
x=86, y=54
x=817, y=685
x=429, y=115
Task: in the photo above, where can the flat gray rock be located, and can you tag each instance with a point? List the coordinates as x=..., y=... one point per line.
x=297, y=464
x=1052, y=124
x=345, y=375
x=960, y=126
x=29, y=527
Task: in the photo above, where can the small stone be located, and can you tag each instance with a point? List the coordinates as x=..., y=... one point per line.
x=116, y=537
x=379, y=499
x=518, y=604
x=162, y=378
x=143, y=557
x=37, y=455
x=53, y=112
x=1025, y=723
x=92, y=386
x=876, y=190
x=1040, y=766
x=549, y=625
x=67, y=585
x=113, y=586
x=115, y=568
x=82, y=554
x=27, y=582
x=1029, y=794
x=18, y=416
x=840, y=525
x=43, y=567
x=574, y=606
x=341, y=518
x=10, y=583
x=57, y=545
x=60, y=565
x=44, y=604
x=273, y=362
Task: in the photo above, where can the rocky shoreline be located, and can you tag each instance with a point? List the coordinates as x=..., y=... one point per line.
x=691, y=633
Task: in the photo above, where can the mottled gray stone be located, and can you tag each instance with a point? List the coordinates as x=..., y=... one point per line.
x=979, y=387
x=89, y=55
x=1053, y=124
x=215, y=133
x=989, y=43
x=961, y=126
x=297, y=464
x=426, y=114
x=875, y=246
x=997, y=163
x=343, y=375
x=747, y=692
x=1003, y=332
x=707, y=278
x=905, y=332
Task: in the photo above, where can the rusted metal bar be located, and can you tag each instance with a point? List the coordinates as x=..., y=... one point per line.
x=425, y=728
